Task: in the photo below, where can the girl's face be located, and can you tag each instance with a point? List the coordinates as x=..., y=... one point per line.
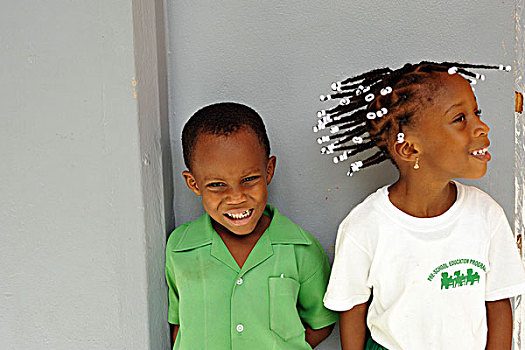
x=452, y=139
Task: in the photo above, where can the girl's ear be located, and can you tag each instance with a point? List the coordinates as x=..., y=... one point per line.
x=191, y=182
x=270, y=169
x=406, y=150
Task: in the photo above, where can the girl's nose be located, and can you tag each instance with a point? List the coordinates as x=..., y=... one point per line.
x=481, y=128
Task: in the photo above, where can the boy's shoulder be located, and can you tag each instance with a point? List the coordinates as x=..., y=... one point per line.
x=190, y=235
x=283, y=230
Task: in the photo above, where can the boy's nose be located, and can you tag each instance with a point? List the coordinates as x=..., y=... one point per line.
x=236, y=195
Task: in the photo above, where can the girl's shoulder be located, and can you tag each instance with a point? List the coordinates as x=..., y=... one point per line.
x=475, y=199
x=368, y=209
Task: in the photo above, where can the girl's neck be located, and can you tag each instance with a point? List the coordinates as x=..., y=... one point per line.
x=421, y=199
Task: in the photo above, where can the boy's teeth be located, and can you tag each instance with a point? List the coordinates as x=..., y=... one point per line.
x=240, y=215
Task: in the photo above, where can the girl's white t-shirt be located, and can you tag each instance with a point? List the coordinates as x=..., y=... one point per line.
x=430, y=276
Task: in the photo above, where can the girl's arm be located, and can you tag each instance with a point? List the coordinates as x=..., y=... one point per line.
x=315, y=336
x=352, y=325
x=175, y=330
x=499, y=322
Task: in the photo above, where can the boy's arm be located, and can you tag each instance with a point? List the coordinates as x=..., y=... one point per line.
x=499, y=323
x=315, y=336
x=352, y=326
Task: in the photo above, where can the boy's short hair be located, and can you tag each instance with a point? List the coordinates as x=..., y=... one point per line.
x=219, y=119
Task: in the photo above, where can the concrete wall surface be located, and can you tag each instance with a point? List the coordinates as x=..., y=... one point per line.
x=82, y=211
x=278, y=57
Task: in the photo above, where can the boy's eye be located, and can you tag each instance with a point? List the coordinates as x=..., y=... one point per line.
x=250, y=178
x=215, y=184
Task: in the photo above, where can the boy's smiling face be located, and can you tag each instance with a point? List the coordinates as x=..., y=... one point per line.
x=231, y=174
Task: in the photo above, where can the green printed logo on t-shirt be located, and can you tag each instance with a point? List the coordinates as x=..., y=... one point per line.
x=460, y=277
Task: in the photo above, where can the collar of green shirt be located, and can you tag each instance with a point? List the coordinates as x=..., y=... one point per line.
x=281, y=231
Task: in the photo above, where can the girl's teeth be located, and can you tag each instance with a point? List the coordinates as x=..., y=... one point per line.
x=479, y=152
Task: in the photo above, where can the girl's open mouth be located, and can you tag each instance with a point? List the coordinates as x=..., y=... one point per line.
x=481, y=154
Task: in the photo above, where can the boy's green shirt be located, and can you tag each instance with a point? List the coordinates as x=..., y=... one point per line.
x=262, y=305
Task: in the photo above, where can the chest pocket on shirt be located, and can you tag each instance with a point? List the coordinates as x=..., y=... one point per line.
x=284, y=317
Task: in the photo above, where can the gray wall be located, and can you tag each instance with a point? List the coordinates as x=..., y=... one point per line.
x=82, y=210
x=278, y=57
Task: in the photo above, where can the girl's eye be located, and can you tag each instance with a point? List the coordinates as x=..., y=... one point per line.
x=250, y=178
x=478, y=112
x=459, y=118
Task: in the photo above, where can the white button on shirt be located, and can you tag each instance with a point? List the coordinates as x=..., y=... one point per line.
x=239, y=328
x=239, y=281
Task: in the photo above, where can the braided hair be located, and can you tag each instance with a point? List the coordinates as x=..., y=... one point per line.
x=375, y=106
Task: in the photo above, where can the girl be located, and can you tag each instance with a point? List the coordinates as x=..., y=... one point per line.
x=437, y=256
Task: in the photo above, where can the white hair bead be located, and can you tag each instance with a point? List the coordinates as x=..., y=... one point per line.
x=385, y=91
x=355, y=166
x=328, y=149
x=334, y=129
x=508, y=68
x=326, y=119
x=371, y=115
x=357, y=139
x=452, y=70
x=341, y=157
x=325, y=97
x=400, y=137
x=501, y=67
x=384, y=110
x=379, y=114
x=322, y=139
x=369, y=97
x=344, y=101
x=482, y=77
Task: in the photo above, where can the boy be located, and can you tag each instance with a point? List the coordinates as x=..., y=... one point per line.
x=242, y=276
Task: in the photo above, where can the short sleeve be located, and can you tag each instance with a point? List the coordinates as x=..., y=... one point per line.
x=173, y=295
x=310, y=300
x=506, y=275
x=348, y=285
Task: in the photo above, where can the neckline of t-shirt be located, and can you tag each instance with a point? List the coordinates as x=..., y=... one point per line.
x=423, y=224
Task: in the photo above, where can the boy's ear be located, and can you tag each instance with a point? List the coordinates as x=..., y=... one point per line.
x=407, y=151
x=270, y=169
x=191, y=182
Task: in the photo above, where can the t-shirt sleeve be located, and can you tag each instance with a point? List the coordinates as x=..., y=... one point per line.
x=348, y=285
x=506, y=275
x=310, y=299
x=173, y=295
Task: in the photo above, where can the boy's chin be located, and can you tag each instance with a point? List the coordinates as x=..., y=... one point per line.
x=224, y=226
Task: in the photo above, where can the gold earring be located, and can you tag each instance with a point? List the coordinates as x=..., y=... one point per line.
x=416, y=164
